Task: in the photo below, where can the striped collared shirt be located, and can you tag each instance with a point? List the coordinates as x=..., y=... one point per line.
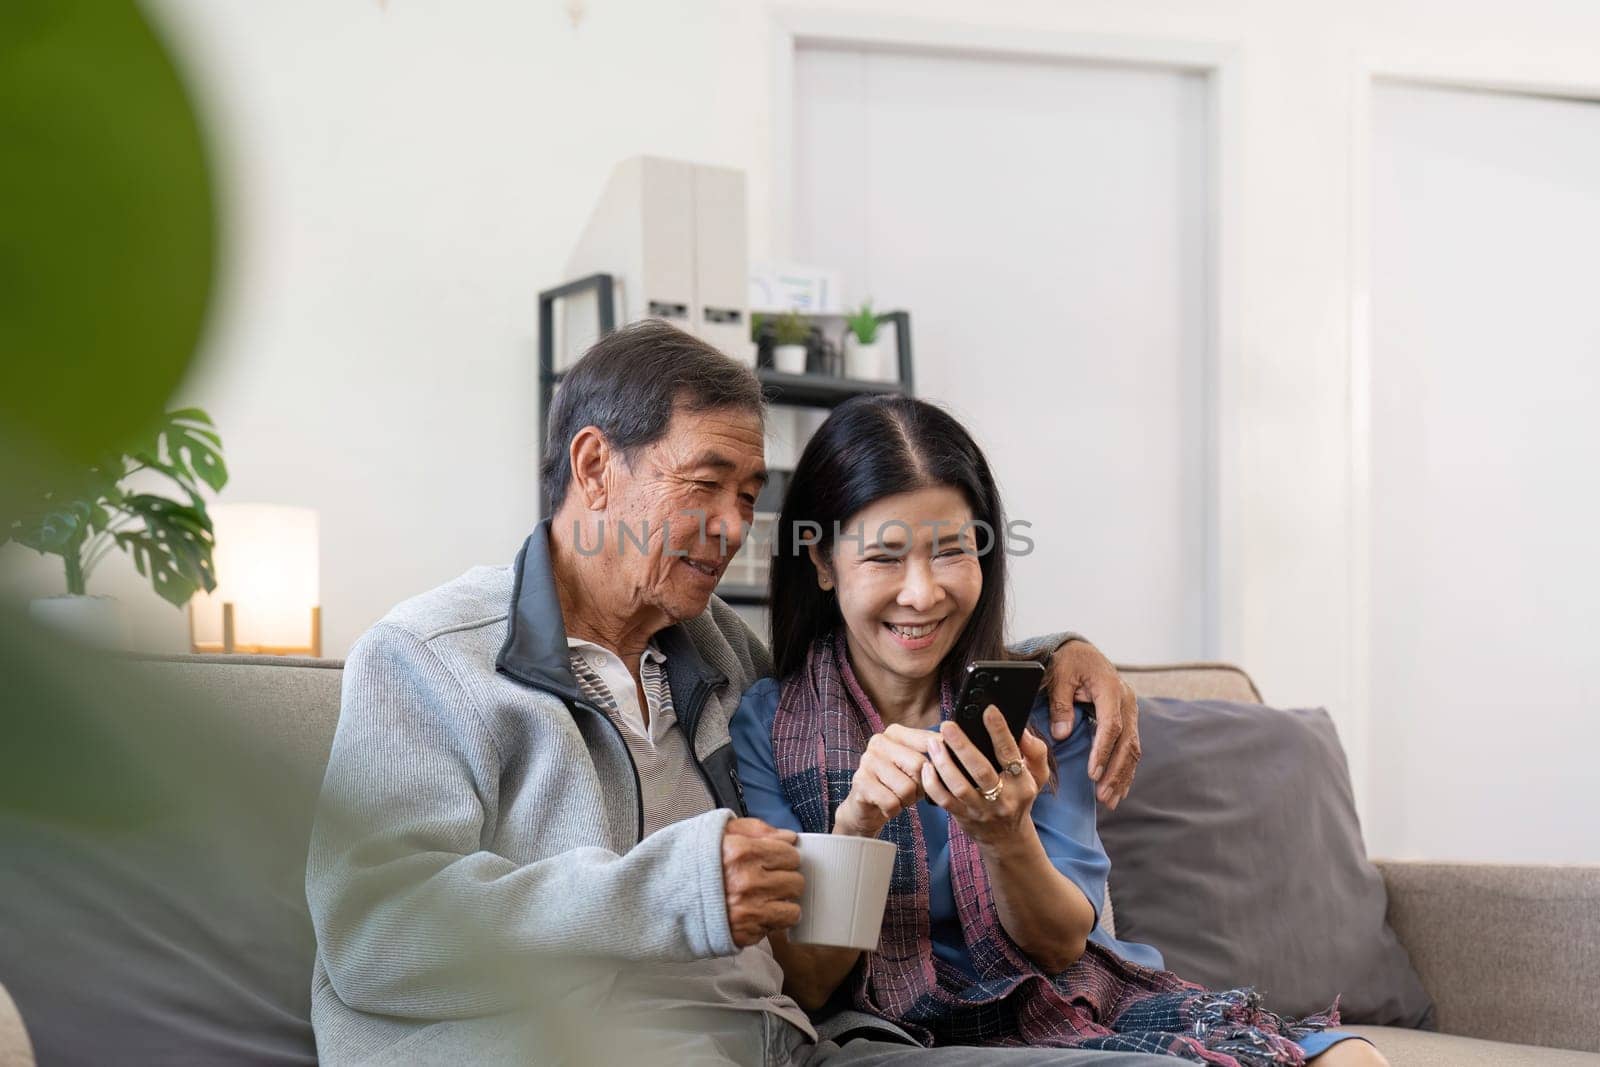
x=670, y=784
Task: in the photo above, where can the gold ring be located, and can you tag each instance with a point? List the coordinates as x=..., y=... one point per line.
x=993, y=794
x=1014, y=768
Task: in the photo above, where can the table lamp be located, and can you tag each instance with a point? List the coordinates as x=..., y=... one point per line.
x=266, y=599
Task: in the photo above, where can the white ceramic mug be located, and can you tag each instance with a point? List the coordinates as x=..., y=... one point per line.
x=847, y=886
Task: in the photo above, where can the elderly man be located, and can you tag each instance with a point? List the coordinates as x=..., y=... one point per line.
x=530, y=843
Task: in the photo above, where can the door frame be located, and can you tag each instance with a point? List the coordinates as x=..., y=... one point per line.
x=1218, y=64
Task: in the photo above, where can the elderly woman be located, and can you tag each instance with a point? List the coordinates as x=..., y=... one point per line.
x=883, y=589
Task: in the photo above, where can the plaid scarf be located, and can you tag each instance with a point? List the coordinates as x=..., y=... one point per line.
x=1102, y=1001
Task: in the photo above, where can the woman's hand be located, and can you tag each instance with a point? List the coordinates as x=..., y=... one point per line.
x=1036, y=756
x=988, y=822
x=887, y=781
x=1040, y=908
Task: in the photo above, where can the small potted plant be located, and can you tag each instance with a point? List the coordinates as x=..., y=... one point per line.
x=791, y=340
x=863, y=355
x=169, y=539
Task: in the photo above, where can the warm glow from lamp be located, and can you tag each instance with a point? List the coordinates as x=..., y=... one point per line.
x=267, y=583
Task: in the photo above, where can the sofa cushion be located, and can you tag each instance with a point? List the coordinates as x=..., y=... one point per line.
x=152, y=901
x=1422, y=1048
x=1239, y=856
x=1491, y=942
x=288, y=703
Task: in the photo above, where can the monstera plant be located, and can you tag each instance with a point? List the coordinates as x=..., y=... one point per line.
x=169, y=537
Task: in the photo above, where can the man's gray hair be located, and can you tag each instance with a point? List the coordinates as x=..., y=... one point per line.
x=629, y=384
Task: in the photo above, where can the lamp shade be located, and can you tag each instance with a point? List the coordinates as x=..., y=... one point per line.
x=266, y=560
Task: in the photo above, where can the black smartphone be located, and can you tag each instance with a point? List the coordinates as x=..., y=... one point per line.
x=1010, y=685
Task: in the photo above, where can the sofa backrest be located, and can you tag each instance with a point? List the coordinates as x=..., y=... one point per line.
x=289, y=706
x=1193, y=681
x=289, y=701
x=293, y=702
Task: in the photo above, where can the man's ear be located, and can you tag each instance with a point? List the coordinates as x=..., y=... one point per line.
x=590, y=455
x=824, y=567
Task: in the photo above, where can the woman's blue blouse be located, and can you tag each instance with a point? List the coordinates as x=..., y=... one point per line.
x=1065, y=820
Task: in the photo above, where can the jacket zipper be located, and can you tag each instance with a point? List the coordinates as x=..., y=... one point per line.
x=638, y=787
x=697, y=699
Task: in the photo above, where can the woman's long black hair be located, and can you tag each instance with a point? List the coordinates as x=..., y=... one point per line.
x=869, y=448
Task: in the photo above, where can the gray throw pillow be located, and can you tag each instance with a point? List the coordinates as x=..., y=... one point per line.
x=1238, y=854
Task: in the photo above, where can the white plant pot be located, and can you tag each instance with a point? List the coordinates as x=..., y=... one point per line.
x=100, y=621
x=790, y=359
x=867, y=363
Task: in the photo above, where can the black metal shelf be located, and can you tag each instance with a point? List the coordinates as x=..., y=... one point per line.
x=818, y=390
x=784, y=390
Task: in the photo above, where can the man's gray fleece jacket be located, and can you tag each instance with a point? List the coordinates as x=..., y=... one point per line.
x=477, y=849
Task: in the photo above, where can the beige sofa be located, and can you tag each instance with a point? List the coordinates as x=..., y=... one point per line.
x=1510, y=954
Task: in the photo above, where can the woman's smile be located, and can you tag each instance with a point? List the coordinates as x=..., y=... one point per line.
x=914, y=637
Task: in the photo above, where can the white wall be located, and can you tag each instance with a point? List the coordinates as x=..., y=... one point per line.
x=1045, y=221
x=407, y=174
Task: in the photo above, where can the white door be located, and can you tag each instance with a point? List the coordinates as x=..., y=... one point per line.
x=1486, y=497
x=1045, y=224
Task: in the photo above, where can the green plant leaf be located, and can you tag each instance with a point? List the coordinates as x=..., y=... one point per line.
x=172, y=545
x=791, y=329
x=864, y=324
x=53, y=533
x=181, y=475
x=173, y=549
x=187, y=447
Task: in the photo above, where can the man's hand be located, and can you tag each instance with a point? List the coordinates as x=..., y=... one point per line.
x=761, y=879
x=1078, y=671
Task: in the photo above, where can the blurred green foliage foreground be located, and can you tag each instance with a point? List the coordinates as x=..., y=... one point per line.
x=128, y=820
x=108, y=236
x=107, y=247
